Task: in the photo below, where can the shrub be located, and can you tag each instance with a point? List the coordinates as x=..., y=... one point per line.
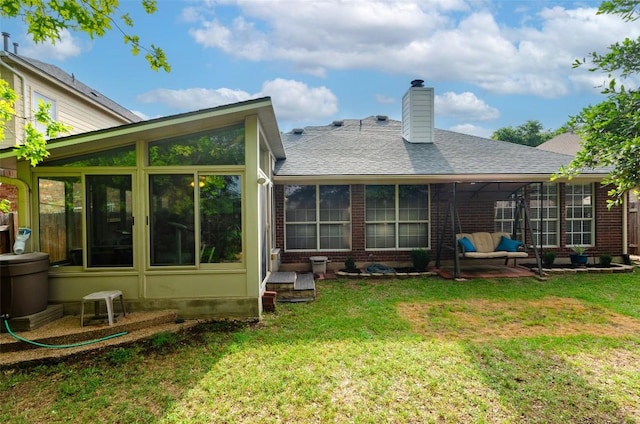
x=605, y=260
x=420, y=259
x=349, y=264
x=548, y=258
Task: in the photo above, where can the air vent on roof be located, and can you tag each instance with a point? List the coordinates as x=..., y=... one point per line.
x=94, y=93
x=382, y=117
x=297, y=130
x=338, y=123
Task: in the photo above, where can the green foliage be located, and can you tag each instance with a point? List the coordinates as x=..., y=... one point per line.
x=610, y=130
x=350, y=264
x=5, y=206
x=605, y=259
x=8, y=99
x=531, y=133
x=420, y=259
x=34, y=148
x=579, y=250
x=164, y=340
x=548, y=258
x=47, y=19
x=122, y=355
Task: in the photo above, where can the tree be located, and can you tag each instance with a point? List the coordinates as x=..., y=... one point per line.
x=531, y=133
x=46, y=20
x=610, y=130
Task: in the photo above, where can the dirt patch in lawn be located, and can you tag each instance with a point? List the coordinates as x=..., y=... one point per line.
x=488, y=319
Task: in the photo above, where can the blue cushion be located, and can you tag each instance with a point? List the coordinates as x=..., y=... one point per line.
x=466, y=245
x=508, y=245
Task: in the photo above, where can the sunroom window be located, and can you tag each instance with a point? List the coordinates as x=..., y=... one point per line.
x=60, y=219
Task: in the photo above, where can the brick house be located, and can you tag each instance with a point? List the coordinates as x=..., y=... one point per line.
x=375, y=188
x=195, y=211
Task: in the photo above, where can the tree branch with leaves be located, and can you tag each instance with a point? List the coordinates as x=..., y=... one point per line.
x=610, y=130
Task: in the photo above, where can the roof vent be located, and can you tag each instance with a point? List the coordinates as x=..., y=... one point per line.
x=338, y=123
x=417, y=83
x=382, y=117
x=297, y=130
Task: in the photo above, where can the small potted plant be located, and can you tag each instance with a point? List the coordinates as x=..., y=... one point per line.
x=579, y=257
x=548, y=258
x=420, y=259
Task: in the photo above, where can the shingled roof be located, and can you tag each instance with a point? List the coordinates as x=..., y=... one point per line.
x=75, y=85
x=375, y=147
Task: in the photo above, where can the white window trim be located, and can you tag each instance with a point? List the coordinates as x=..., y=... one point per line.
x=591, y=219
x=397, y=221
x=542, y=199
x=318, y=223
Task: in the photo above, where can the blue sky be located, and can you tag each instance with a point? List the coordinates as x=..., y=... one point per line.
x=492, y=63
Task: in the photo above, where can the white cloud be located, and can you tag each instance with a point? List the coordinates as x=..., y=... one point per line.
x=384, y=100
x=440, y=40
x=296, y=101
x=464, y=106
x=472, y=130
x=293, y=101
x=68, y=46
x=193, y=98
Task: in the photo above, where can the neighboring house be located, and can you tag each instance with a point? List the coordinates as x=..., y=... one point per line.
x=72, y=103
x=373, y=189
x=174, y=212
x=187, y=211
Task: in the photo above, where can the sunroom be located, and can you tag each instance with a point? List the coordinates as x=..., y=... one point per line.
x=174, y=212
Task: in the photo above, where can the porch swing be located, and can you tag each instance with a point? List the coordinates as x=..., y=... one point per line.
x=486, y=245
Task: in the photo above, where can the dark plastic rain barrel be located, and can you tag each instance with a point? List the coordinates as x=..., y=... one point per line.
x=24, y=283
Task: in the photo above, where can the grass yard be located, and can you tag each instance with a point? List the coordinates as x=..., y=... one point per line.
x=565, y=350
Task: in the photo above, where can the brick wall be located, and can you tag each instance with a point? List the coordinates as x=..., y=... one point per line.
x=475, y=215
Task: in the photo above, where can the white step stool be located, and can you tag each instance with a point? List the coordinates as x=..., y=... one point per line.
x=107, y=296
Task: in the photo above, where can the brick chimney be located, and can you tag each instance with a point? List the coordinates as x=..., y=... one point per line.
x=417, y=113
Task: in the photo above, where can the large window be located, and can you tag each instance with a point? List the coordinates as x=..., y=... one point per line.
x=579, y=213
x=60, y=214
x=223, y=146
x=318, y=217
x=174, y=222
x=504, y=215
x=397, y=216
x=544, y=214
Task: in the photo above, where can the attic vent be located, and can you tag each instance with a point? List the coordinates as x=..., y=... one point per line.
x=382, y=117
x=297, y=130
x=94, y=93
x=338, y=123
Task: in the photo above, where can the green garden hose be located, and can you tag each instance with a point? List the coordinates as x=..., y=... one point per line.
x=63, y=346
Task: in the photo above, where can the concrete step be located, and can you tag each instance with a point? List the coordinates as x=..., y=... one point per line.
x=292, y=287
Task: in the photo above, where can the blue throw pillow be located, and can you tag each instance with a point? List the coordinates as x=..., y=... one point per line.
x=508, y=245
x=466, y=245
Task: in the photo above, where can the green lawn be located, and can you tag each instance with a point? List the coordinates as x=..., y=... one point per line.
x=566, y=350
